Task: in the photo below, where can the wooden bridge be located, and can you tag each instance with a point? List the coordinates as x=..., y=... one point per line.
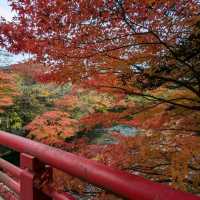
x=37, y=161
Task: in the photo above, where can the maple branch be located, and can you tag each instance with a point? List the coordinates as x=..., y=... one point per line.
x=114, y=38
x=170, y=101
x=176, y=81
x=184, y=62
x=195, y=73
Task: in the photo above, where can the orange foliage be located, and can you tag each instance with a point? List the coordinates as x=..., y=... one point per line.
x=52, y=127
x=120, y=47
x=8, y=89
x=107, y=119
x=100, y=37
x=68, y=102
x=165, y=158
x=30, y=69
x=153, y=118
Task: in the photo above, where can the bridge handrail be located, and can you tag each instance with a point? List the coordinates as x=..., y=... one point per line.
x=121, y=183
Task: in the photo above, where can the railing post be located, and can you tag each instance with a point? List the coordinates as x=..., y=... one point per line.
x=30, y=176
x=26, y=189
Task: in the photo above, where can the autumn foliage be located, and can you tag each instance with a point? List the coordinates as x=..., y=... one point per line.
x=29, y=69
x=8, y=89
x=80, y=39
x=130, y=63
x=52, y=127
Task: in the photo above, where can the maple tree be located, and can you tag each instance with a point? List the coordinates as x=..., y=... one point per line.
x=8, y=89
x=52, y=127
x=80, y=102
x=141, y=43
x=129, y=49
x=29, y=70
x=162, y=153
x=165, y=158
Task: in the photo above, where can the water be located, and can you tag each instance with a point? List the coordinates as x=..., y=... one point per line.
x=104, y=135
x=124, y=130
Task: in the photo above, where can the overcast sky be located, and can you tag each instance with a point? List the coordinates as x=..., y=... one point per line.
x=5, y=11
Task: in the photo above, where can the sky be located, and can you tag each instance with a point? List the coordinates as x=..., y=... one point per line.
x=6, y=12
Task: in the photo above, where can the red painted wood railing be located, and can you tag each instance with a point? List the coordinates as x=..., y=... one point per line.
x=37, y=158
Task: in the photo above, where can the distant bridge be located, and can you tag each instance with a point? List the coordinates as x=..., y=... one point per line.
x=37, y=159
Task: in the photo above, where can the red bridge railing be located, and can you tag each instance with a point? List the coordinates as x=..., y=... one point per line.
x=37, y=159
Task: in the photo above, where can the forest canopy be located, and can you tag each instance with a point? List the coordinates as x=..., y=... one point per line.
x=101, y=67
x=139, y=44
